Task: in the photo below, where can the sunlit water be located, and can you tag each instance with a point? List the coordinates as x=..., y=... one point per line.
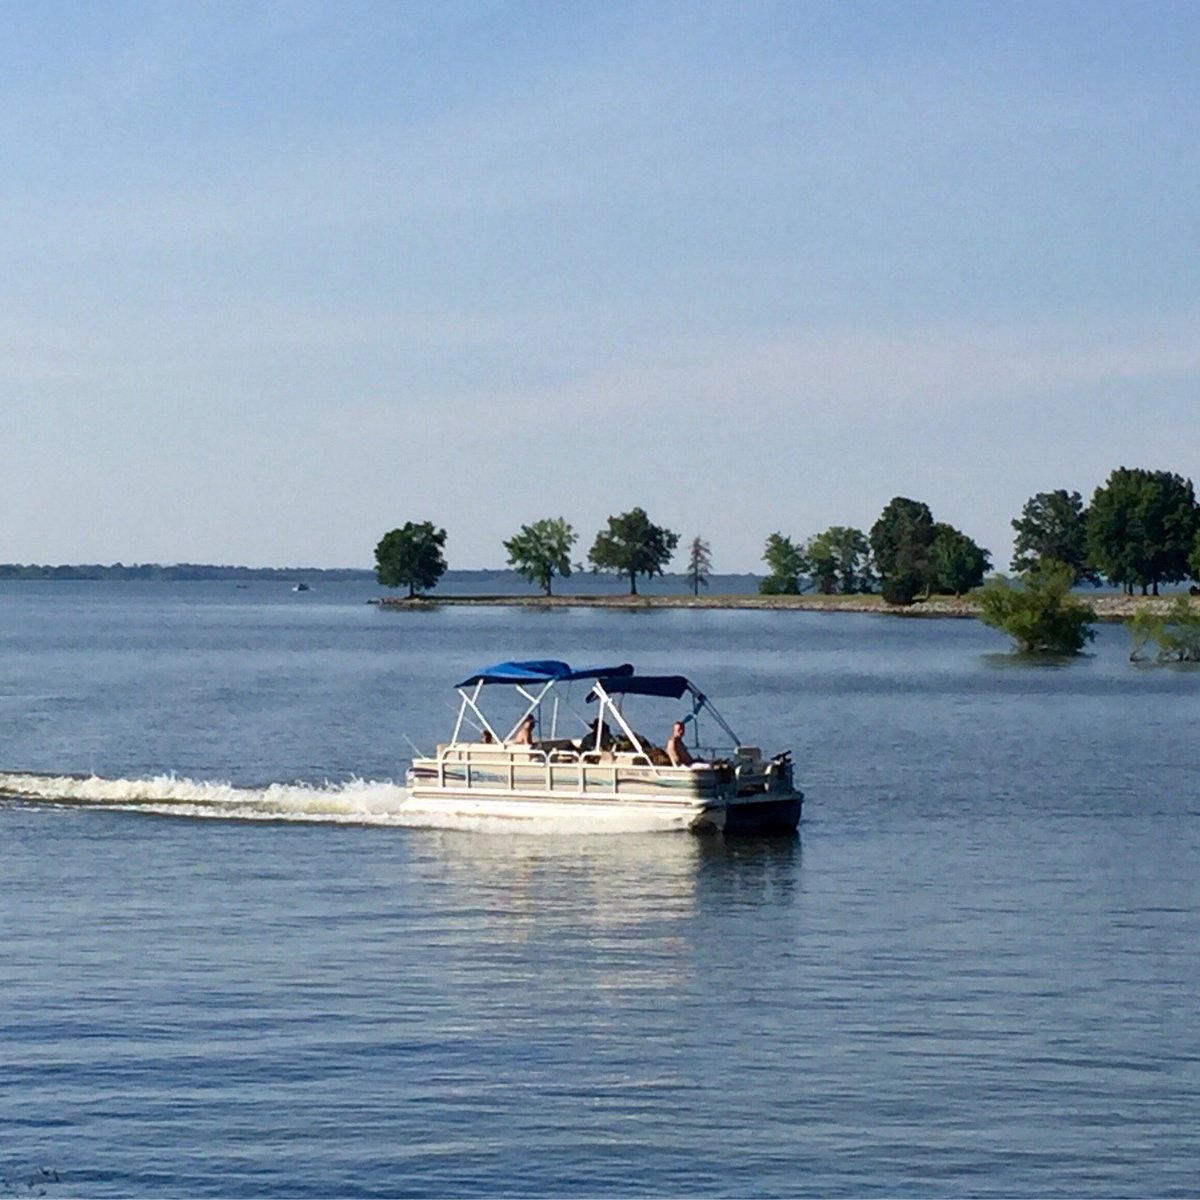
x=233, y=963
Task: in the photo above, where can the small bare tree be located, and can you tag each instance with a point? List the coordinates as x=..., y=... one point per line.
x=699, y=564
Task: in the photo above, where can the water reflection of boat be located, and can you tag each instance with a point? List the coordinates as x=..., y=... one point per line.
x=531, y=771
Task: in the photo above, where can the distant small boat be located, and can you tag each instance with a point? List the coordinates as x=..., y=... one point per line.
x=302, y=587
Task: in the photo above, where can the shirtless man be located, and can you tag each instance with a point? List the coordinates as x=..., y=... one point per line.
x=524, y=734
x=677, y=750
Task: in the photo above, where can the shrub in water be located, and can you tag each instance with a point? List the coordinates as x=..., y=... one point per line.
x=1176, y=632
x=1040, y=614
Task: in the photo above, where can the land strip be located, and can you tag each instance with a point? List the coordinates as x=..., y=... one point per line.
x=1108, y=607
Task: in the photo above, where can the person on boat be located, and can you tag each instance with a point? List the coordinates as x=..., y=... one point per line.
x=524, y=734
x=677, y=750
x=486, y=737
x=599, y=736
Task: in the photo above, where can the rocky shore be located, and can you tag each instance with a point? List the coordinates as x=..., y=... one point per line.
x=1109, y=607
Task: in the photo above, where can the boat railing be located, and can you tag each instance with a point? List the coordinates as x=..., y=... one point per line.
x=477, y=764
x=564, y=751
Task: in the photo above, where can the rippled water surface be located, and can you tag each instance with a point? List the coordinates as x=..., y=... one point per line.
x=231, y=965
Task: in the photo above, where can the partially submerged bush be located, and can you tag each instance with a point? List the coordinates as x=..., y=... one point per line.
x=1175, y=632
x=1040, y=614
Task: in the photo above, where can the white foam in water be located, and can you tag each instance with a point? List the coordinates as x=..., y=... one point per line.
x=358, y=802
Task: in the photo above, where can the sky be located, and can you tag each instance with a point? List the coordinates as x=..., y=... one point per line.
x=276, y=278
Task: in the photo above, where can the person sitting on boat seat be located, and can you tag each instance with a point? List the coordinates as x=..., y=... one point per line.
x=598, y=736
x=524, y=734
x=486, y=737
x=677, y=750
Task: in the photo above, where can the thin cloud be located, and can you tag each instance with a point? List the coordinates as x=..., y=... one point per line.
x=848, y=374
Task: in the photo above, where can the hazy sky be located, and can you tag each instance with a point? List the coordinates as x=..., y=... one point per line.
x=278, y=277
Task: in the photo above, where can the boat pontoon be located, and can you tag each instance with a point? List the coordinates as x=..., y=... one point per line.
x=601, y=767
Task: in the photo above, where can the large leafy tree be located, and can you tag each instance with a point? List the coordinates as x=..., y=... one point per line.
x=900, y=542
x=1194, y=561
x=1141, y=528
x=699, y=564
x=840, y=560
x=957, y=564
x=1053, y=527
x=786, y=562
x=411, y=556
x=542, y=550
x=633, y=545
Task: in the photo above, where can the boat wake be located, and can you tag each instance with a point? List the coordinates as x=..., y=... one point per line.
x=357, y=802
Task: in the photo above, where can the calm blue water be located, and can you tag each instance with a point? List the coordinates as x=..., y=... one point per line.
x=229, y=966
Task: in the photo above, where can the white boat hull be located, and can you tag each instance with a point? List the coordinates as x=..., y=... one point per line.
x=683, y=812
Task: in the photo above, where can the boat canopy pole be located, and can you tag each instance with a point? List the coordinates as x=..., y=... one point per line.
x=534, y=701
x=699, y=701
x=607, y=702
x=471, y=701
x=467, y=719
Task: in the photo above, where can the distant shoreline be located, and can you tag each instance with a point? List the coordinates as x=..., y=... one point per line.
x=177, y=573
x=1108, y=607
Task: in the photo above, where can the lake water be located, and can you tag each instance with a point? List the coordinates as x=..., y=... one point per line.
x=230, y=965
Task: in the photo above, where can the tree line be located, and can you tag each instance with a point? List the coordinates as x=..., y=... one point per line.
x=630, y=545
x=1141, y=529
x=906, y=553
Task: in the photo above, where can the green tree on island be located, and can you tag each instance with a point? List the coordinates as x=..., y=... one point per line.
x=900, y=542
x=839, y=560
x=699, y=564
x=411, y=556
x=1053, y=525
x=1039, y=614
x=786, y=563
x=1141, y=528
x=632, y=545
x=957, y=564
x=822, y=564
x=542, y=550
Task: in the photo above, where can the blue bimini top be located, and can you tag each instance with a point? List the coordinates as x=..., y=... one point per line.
x=543, y=670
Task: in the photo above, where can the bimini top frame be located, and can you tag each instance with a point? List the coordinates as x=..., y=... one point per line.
x=607, y=688
x=533, y=680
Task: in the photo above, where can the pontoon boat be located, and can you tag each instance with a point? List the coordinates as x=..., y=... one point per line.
x=607, y=768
